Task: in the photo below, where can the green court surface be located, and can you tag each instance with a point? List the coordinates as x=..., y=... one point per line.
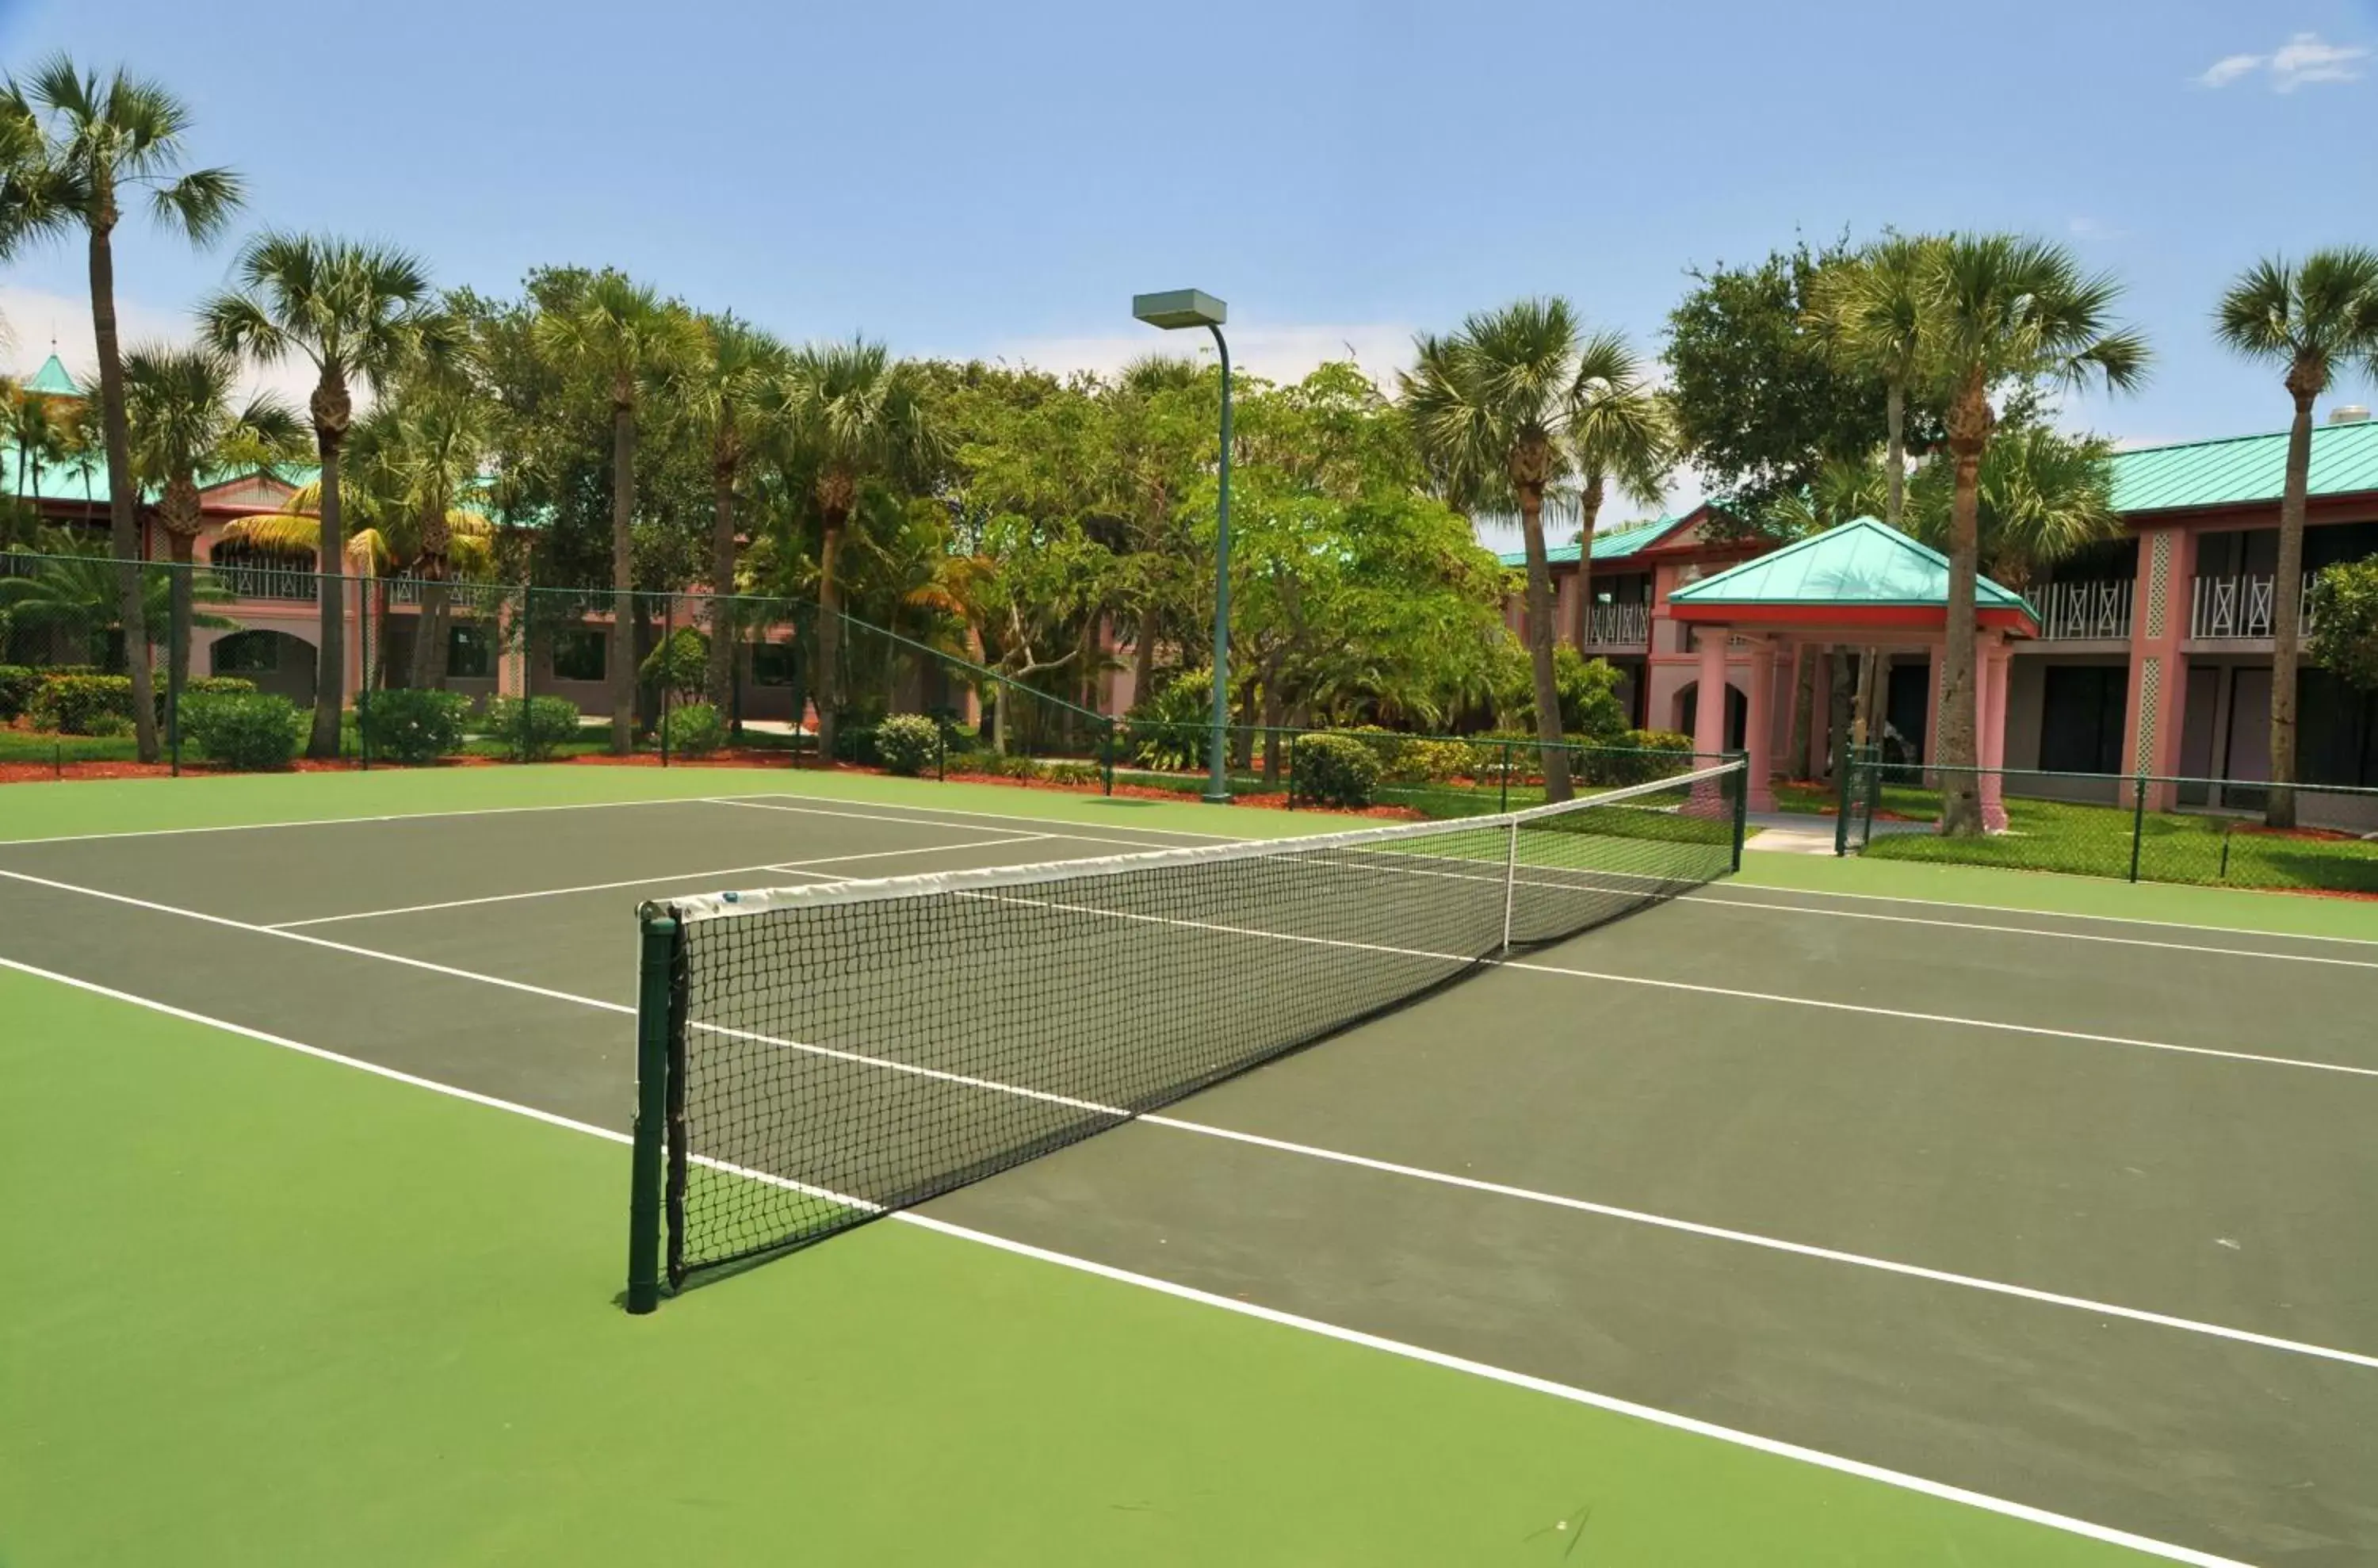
x=1842, y=1213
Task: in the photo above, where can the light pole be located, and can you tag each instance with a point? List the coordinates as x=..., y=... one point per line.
x=1193, y=307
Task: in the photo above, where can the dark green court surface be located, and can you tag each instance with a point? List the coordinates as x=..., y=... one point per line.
x=1952, y=1219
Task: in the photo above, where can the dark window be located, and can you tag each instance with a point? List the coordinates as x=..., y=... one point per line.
x=2339, y=731
x=772, y=664
x=579, y=653
x=247, y=653
x=2081, y=718
x=469, y=654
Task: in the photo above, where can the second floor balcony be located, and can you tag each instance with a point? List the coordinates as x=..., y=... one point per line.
x=2238, y=607
x=1618, y=626
x=2085, y=610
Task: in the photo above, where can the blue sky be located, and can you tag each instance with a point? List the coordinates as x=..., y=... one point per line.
x=973, y=179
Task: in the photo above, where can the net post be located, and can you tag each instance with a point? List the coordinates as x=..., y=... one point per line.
x=655, y=1004
x=1741, y=780
x=1510, y=880
x=2139, y=821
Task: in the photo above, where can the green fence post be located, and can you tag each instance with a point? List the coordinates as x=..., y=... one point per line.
x=655, y=964
x=2227, y=828
x=942, y=753
x=176, y=660
x=1107, y=756
x=668, y=661
x=1503, y=802
x=1842, y=797
x=2138, y=820
x=363, y=689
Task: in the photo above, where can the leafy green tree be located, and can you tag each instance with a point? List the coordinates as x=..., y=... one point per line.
x=1493, y=407
x=186, y=419
x=618, y=338
x=73, y=598
x=355, y=312
x=2305, y=316
x=850, y=416
x=1761, y=401
x=2345, y=636
x=72, y=146
x=1622, y=435
x=2000, y=311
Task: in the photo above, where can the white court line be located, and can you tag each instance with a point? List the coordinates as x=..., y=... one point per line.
x=2066, y=914
x=1732, y=1437
x=347, y=821
x=1059, y=824
x=652, y=881
x=940, y=1075
x=1730, y=902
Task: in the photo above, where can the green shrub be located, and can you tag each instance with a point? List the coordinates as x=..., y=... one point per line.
x=18, y=685
x=214, y=686
x=417, y=725
x=252, y=732
x=679, y=663
x=695, y=730
x=908, y=744
x=1075, y=773
x=1587, y=691
x=1336, y=770
x=111, y=724
x=550, y=724
x=1167, y=730
x=1437, y=762
x=1637, y=756
x=999, y=766
x=70, y=704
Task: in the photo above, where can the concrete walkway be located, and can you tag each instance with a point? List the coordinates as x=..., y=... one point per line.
x=1799, y=833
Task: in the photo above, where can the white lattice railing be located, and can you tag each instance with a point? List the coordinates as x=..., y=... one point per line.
x=255, y=582
x=2238, y=607
x=2094, y=611
x=1619, y=625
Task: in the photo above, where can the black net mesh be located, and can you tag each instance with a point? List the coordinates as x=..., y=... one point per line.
x=845, y=1051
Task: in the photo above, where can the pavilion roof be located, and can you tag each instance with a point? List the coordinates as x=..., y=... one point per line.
x=1862, y=565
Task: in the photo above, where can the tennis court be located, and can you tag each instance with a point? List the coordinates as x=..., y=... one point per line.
x=1851, y=1229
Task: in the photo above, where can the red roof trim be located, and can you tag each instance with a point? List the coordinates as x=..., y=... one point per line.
x=1922, y=615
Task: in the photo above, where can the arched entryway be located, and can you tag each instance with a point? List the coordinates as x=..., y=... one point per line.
x=276, y=662
x=1737, y=714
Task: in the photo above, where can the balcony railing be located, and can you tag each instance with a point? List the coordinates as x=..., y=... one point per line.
x=1619, y=625
x=243, y=581
x=2090, y=610
x=2239, y=607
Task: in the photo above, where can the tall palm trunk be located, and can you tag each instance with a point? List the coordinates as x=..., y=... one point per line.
x=719, y=678
x=829, y=639
x=429, y=626
x=1969, y=432
x=182, y=519
x=623, y=577
x=331, y=410
x=1589, y=509
x=1873, y=665
x=123, y=529
x=1540, y=642
x=2306, y=381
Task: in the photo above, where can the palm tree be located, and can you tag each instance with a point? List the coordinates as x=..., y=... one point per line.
x=2305, y=317
x=74, y=599
x=1494, y=408
x=356, y=312
x=72, y=146
x=617, y=337
x=2043, y=497
x=1619, y=434
x=719, y=390
x=2000, y=310
x=851, y=416
x=183, y=423
x=1869, y=309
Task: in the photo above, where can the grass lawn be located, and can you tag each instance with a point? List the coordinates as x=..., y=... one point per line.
x=278, y=1310
x=2094, y=841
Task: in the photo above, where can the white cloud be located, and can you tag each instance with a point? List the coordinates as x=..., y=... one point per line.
x=39, y=323
x=2086, y=227
x=2303, y=60
x=1280, y=352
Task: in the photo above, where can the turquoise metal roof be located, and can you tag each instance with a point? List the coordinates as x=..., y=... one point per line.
x=2242, y=470
x=1865, y=562
x=52, y=380
x=1609, y=544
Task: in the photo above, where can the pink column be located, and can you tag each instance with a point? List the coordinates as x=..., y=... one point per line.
x=1990, y=704
x=1820, y=710
x=1708, y=716
x=1759, y=722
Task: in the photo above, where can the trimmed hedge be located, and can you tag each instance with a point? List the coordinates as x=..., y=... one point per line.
x=253, y=731
x=417, y=725
x=907, y=744
x=1336, y=770
x=695, y=730
x=550, y=724
x=18, y=685
x=77, y=702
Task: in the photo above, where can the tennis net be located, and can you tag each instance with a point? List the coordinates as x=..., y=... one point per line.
x=812, y=1057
